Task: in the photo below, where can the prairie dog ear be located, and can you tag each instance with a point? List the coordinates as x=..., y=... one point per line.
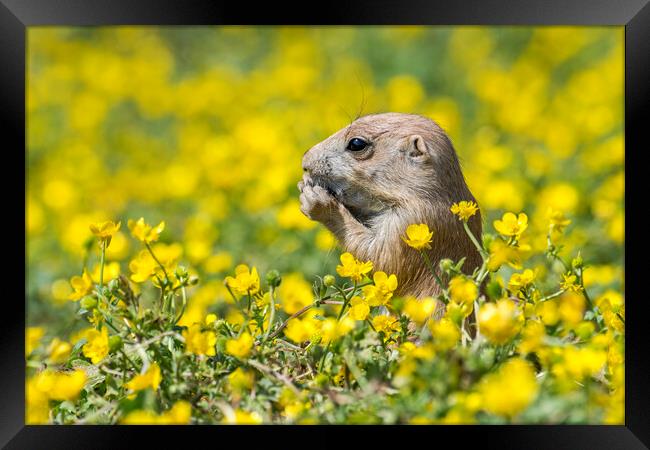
x=417, y=148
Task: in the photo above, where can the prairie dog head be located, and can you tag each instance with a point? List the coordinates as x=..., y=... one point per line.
x=367, y=182
x=384, y=160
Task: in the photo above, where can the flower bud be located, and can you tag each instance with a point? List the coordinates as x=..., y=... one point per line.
x=113, y=285
x=494, y=289
x=321, y=379
x=446, y=265
x=487, y=357
x=329, y=280
x=577, y=262
x=585, y=329
x=115, y=343
x=273, y=278
x=397, y=303
x=88, y=302
x=181, y=272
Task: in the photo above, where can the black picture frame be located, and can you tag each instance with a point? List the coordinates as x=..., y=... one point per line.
x=634, y=15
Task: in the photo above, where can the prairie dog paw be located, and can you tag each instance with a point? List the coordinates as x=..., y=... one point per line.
x=315, y=202
x=306, y=181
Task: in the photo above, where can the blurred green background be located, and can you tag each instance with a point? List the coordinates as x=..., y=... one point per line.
x=205, y=127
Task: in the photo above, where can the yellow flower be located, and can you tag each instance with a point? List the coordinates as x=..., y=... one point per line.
x=68, y=385
x=458, y=311
x=572, y=308
x=104, y=231
x=82, y=286
x=301, y=330
x=111, y=271
x=331, y=329
x=168, y=254
x=502, y=253
x=464, y=210
x=418, y=236
x=61, y=385
x=142, y=267
x=359, y=308
x=210, y=318
x=97, y=346
x=419, y=310
x=37, y=407
x=240, y=417
x=294, y=409
x=500, y=322
x=520, y=281
x=140, y=417
x=352, y=267
x=240, y=379
x=240, y=347
x=295, y=293
x=583, y=362
x=245, y=281
x=81, y=334
x=610, y=300
x=462, y=290
x=387, y=324
x=218, y=262
x=325, y=240
x=143, y=232
x=179, y=414
x=445, y=333
x=59, y=351
x=558, y=221
x=511, y=225
x=200, y=342
x=612, y=307
x=290, y=217
x=32, y=337
x=547, y=311
x=151, y=378
x=510, y=389
x=425, y=351
x=569, y=283
x=532, y=336
x=382, y=291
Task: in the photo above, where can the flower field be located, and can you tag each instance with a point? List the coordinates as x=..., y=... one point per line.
x=171, y=277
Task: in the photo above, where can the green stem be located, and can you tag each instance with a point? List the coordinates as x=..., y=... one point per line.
x=231, y=293
x=478, y=330
x=101, y=266
x=271, y=313
x=184, y=297
x=482, y=273
x=108, y=320
x=322, y=360
x=478, y=246
x=293, y=316
x=346, y=300
x=129, y=360
x=157, y=261
x=584, y=290
x=430, y=266
x=549, y=297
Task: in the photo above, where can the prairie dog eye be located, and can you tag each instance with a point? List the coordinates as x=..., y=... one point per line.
x=356, y=145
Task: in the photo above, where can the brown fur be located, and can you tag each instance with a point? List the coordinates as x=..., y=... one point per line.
x=408, y=174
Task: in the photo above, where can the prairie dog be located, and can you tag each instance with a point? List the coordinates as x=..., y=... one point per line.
x=370, y=180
